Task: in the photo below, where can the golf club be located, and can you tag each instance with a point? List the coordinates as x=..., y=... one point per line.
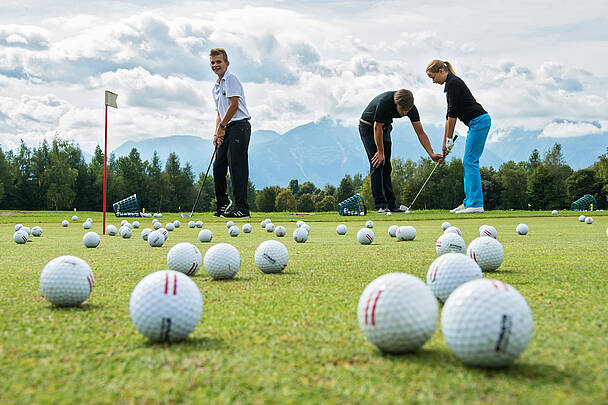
x=449, y=148
x=184, y=215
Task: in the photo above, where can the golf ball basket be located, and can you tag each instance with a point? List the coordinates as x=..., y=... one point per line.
x=352, y=206
x=585, y=203
x=127, y=207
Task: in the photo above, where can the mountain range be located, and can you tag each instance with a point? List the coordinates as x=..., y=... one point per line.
x=323, y=151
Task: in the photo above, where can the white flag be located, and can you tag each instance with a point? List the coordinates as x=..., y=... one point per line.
x=111, y=99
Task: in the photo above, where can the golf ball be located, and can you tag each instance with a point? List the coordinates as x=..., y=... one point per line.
x=17, y=227
x=397, y=312
x=229, y=224
x=91, y=239
x=449, y=271
x=65, y=223
x=406, y=233
x=86, y=225
x=247, y=228
x=270, y=227
x=191, y=224
x=26, y=230
x=111, y=230
x=280, y=231
x=298, y=224
x=222, y=261
x=20, y=237
x=341, y=229
x=164, y=232
x=369, y=224
x=487, y=252
x=136, y=224
x=205, y=235
x=66, y=281
x=185, y=258
x=445, y=225
x=124, y=221
x=199, y=224
x=392, y=231
x=75, y=218
x=588, y=220
x=581, y=218
x=145, y=233
x=264, y=222
x=450, y=242
x=156, y=239
x=125, y=232
x=486, y=323
x=389, y=213
x=271, y=256
x=300, y=235
x=554, y=212
x=306, y=227
x=36, y=231
x=365, y=236
x=176, y=223
x=488, y=230
x=166, y=306
x=157, y=225
x=522, y=229
x=234, y=230
x=169, y=226
x=453, y=229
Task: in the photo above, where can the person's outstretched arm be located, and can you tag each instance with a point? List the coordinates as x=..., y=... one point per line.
x=426, y=144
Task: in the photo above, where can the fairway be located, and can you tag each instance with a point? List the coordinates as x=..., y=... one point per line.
x=294, y=337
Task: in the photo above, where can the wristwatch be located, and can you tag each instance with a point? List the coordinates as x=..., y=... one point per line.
x=222, y=126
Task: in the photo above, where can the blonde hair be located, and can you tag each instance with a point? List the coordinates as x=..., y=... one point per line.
x=436, y=64
x=219, y=51
x=404, y=98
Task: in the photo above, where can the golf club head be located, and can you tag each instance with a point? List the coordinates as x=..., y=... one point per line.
x=186, y=216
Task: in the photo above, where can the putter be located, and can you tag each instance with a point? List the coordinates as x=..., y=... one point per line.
x=407, y=209
x=184, y=215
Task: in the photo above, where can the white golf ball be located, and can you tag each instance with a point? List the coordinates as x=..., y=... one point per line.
x=156, y=239
x=392, y=231
x=449, y=271
x=185, y=258
x=588, y=220
x=222, y=261
x=486, y=323
x=487, y=252
x=397, y=312
x=280, y=231
x=205, y=235
x=36, y=231
x=199, y=224
x=445, y=225
x=341, y=229
x=66, y=281
x=125, y=232
x=91, y=239
x=20, y=237
x=136, y=224
x=522, y=229
x=554, y=212
x=158, y=215
x=124, y=221
x=145, y=233
x=90, y=220
x=65, y=223
x=271, y=256
x=191, y=224
x=111, y=230
x=234, y=230
x=86, y=225
x=406, y=233
x=166, y=306
x=26, y=230
x=300, y=235
x=17, y=227
x=169, y=226
x=389, y=213
x=488, y=230
x=453, y=229
x=369, y=224
x=75, y=218
x=450, y=242
x=365, y=236
x=306, y=227
x=361, y=213
x=581, y=218
x=270, y=227
x=164, y=232
x=229, y=224
x=176, y=223
x=247, y=228
x=128, y=225
x=157, y=225
x=298, y=224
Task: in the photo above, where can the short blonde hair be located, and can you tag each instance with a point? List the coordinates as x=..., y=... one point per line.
x=436, y=64
x=404, y=99
x=219, y=51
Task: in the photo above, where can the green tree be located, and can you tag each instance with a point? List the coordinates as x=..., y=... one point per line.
x=492, y=188
x=345, y=189
x=583, y=182
x=306, y=203
x=366, y=192
x=329, y=189
x=285, y=201
x=294, y=187
x=327, y=204
x=539, y=188
x=60, y=178
x=307, y=187
x=514, y=181
x=266, y=198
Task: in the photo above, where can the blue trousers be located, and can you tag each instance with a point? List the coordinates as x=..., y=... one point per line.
x=476, y=140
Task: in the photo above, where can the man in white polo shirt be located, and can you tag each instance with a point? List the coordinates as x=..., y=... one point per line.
x=232, y=133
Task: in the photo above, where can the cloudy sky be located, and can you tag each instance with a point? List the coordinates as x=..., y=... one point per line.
x=533, y=65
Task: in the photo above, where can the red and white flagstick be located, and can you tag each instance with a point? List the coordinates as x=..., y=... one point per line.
x=110, y=101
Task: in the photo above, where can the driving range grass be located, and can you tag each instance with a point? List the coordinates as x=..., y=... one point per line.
x=294, y=337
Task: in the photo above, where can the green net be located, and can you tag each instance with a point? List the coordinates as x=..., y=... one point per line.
x=585, y=203
x=127, y=207
x=352, y=206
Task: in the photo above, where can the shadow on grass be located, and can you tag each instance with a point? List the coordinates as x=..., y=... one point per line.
x=82, y=307
x=191, y=343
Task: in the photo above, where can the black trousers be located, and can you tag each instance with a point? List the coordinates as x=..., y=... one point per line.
x=382, y=187
x=233, y=155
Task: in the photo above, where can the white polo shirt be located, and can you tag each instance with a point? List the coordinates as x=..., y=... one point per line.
x=230, y=86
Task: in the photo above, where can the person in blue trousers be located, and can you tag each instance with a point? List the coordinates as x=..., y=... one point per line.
x=462, y=106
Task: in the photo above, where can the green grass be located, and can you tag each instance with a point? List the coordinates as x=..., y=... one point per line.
x=294, y=337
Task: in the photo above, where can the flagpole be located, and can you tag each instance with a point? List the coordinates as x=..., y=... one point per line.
x=105, y=170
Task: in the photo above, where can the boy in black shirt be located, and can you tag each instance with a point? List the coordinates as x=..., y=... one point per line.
x=375, y=128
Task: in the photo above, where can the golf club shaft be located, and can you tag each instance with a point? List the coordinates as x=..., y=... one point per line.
x=203, y=185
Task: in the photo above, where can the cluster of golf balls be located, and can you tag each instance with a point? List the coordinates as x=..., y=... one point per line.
x=22, y=233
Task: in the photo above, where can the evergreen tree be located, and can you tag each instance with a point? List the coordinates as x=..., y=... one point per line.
x=345, y=189
x=60, y=178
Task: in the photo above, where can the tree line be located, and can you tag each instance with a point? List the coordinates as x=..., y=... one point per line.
x=56, y=176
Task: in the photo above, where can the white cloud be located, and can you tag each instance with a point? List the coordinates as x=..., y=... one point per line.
x=571, y=129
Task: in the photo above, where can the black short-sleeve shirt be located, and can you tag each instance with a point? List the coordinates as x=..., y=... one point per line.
x=461, y=103
x=383, y=109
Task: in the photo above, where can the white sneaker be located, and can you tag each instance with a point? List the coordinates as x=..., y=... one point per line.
x=461, y=206
x=383, y=210
x=469, y=210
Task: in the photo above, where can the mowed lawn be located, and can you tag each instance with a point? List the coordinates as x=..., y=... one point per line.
x=294, y=337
